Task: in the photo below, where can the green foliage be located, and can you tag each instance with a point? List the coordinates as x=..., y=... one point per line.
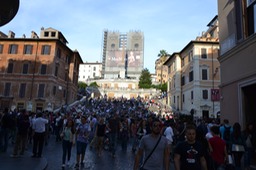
x=163, y=55
x=145, y=79
x=162, y=87
x=93, y=84
x=82, y=85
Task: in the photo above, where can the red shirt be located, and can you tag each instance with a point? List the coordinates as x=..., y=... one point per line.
x=218, y=149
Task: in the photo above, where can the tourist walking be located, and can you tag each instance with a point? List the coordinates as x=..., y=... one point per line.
x=218, y=149
x=113, y=127
x=249, y=136
x=22, y=133
x=82, y=139
x=100, y=132
x=68, y=140
x=225, y=132
x=6, y=125
x=156, y=150
x=189, y=154
x=237, y=145
x=38, y=127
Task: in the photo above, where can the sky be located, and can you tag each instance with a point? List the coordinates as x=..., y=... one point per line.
x=167, y=24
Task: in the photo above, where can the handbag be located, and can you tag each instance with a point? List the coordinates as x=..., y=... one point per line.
x=141, y=168
x=237, y=148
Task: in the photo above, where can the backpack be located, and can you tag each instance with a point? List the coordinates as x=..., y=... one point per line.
x=226, y=134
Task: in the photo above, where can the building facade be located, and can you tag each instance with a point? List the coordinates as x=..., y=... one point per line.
x=123, y=54
x=194, y=76
x=237, y=23
x=37, y=73
x=161, y=70
x=89, y=71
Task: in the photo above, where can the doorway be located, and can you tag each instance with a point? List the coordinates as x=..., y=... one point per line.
x=249, y=99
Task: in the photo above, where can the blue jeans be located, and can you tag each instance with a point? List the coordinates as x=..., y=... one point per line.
x=66, y=148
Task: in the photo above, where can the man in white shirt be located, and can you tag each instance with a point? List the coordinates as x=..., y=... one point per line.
x=168, y=133
x=38, y=135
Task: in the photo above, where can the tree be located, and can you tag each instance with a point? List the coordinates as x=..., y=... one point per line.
x=162, y=87
x=163, y=56
x=93, y=84
x=145, y=79
x=82, y=85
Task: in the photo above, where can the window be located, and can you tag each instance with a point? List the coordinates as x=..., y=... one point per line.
x=190, y=56
x=25, y=68
x=58, y=53
x=203, y=53
x=183, y=98
x=113, y=45
x=13, y=49
x=56, y=71
x=40, y=91
x=1, y=48
x=28, y=49
x=136, y=46
x=173, y=99
x=54, y=90
x=67, y=59
x=204, y=74
x=182, y=62
x=53, y=34
x=94, y=68
x=7, y=89
x=22, y=90
x=43, y=69
x=10, y=68
x=93, y=74
x=46, y=34
x=191, y=76
x=205, y=94
x=46, y=49
x=192, y=95
x=251, y=18
x=183, y=80
x=239, y=22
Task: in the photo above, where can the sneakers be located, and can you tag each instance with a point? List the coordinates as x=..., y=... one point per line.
x=63, y=165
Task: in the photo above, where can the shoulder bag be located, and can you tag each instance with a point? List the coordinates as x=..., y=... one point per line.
x=141, y=168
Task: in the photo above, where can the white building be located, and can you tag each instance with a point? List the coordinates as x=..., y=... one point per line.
x=194, y=76
x=89, y=71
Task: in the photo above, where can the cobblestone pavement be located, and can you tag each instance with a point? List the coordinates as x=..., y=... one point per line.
x=122, y=161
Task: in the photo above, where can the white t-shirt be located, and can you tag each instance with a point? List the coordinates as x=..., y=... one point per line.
x=169, y=134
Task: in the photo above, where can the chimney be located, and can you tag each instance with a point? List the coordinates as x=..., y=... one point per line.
x=23, y=36
x=34, y=35
x=11, y=34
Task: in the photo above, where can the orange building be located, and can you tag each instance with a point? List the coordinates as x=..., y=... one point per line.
x=37, y=73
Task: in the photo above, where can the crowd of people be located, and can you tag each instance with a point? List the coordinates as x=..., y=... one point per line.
x=157, y=140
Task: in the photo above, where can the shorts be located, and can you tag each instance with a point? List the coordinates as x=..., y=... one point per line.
x=80, y=147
